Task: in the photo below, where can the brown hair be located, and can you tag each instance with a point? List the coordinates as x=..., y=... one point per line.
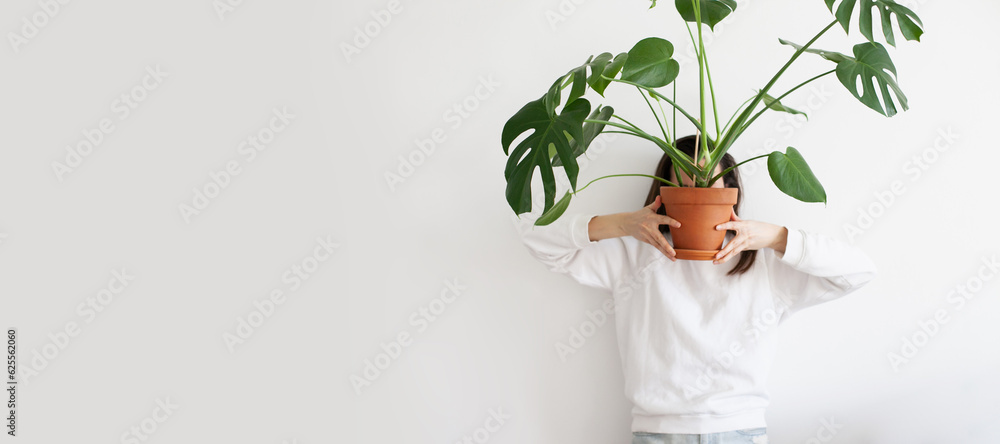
x=730, y=180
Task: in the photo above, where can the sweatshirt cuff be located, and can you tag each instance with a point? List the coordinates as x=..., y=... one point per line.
x=793, y=247
x=580, y=230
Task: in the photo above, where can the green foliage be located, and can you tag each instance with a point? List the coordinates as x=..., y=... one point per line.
x=557, y=210
x=792, y=176
x=554, y=138
x=776, y=105
x=712, y=11
x=871, y=64
x=557, y=139
x=590, y=132
x=533, y=152
x=649, y=63
x=909, y=24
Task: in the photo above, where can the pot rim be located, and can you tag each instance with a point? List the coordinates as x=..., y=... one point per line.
x=698, y=195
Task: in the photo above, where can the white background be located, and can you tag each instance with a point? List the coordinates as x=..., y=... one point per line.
x=356, y=117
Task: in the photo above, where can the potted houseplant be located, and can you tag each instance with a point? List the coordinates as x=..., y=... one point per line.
x=564, y=125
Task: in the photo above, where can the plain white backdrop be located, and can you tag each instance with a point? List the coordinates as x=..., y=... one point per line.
x=212, y=205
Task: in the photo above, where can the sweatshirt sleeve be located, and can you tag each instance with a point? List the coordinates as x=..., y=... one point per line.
x=564, y=246
x=815, y=269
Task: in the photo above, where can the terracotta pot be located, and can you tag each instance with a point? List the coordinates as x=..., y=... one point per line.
x=698, y=210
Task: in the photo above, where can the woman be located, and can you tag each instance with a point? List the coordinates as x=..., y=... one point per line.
x=697, y=338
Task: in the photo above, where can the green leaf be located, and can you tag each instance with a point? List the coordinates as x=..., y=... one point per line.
x=590, y=132
x=910, y=25
x=554, y=96
x=598, y=83
x=776, y=105
x=579, y=75
x=578, y=79
x=871, y=63
x=557, y=210
x=712, y=11
x=549, y=129
x=649, y=63
x=793, y=177
x=829, y=55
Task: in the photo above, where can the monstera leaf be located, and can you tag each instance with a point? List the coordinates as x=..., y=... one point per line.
x=557, y=210
x=712, y=11
x=602, y=65
x=533, y=152
x=590, y=132
x=871, y=63
x=649, y=63
x=909, y=24
x=776, y=105
x=793, y=177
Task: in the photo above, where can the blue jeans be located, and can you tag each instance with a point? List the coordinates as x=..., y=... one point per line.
x=742, y=436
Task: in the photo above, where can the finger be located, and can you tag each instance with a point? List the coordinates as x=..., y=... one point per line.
x=655, y=245
x=731, y=254
x=727, y=226
x=656, y=203
x=723, y=252
x=661, y=244
x=667, y=220
x=737, y=248
x=733, y=216
x=734, y=243
x=668, y=249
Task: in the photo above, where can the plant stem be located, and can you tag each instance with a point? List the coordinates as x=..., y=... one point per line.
x=658, y=122
x=626, y=121
x=737, y=128
x=676, y=155
x=664, y=113
x=625, y=175
x=664, y=98
x=727, y=170
x=676, y=130
x=701, y=79
x=711, y=87
x=750, y=122
x=734, y=114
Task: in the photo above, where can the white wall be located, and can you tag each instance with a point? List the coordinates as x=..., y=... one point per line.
x=493, y=348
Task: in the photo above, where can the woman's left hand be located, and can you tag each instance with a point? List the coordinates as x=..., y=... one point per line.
x=750, y=235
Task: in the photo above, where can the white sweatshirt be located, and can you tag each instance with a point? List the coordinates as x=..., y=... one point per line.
x=696, y=345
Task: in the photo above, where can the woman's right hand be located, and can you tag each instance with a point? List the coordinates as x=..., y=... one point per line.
x=644, y=225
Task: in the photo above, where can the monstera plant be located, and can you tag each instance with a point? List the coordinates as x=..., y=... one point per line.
x=562, y=126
